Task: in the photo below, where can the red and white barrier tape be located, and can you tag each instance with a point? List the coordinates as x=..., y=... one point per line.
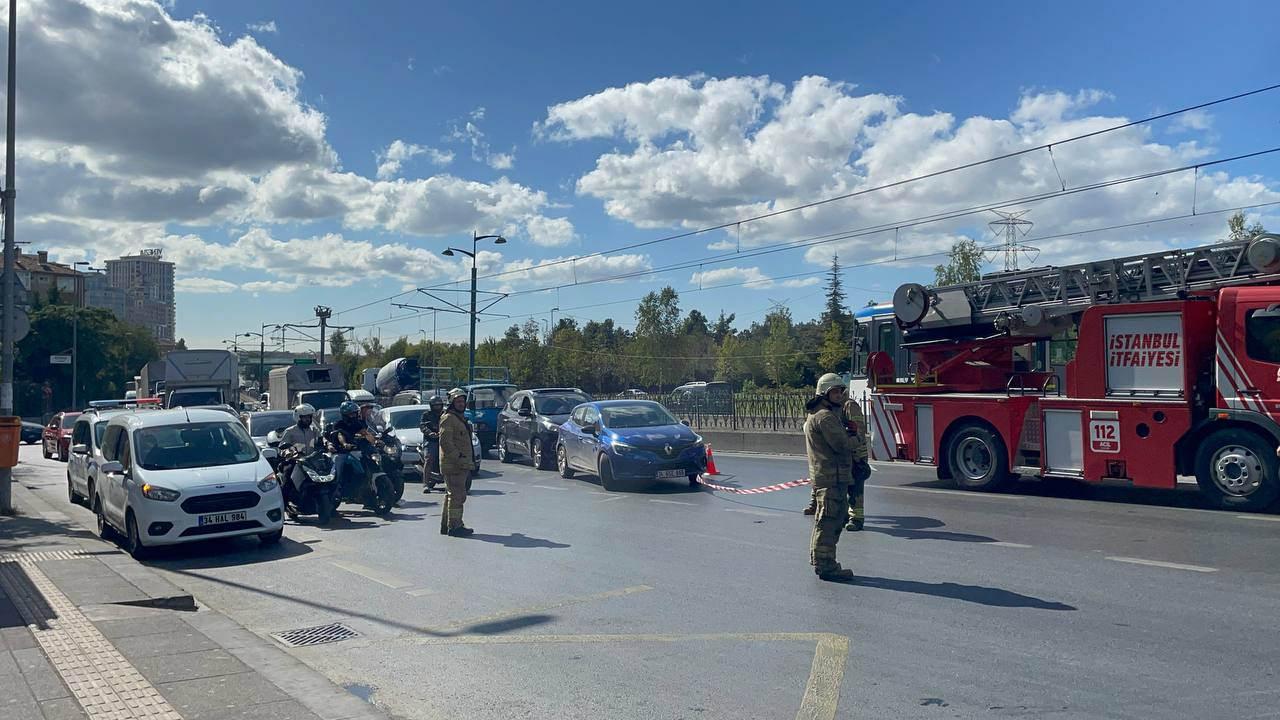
x=702, y=480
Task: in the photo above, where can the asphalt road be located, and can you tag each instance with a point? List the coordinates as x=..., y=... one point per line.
x=669, y=602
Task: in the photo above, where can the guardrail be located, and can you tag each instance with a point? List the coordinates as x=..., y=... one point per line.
x=759, y=411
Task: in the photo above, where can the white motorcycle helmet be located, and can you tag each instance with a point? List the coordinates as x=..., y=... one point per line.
x=301, y=410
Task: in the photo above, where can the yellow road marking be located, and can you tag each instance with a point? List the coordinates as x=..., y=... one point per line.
x=822, y=689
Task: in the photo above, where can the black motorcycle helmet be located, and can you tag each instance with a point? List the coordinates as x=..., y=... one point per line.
x=349, y=410
x=436, y=401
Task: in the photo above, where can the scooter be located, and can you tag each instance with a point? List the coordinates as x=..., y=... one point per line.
x=311, y=492
x=388, y=460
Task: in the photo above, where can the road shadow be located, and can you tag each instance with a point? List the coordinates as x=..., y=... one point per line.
x=912, y=527
x=488, y=628
x=518, y=540
x=480, y=493
x=417, y=503
x=977, y=594
x=225, y=552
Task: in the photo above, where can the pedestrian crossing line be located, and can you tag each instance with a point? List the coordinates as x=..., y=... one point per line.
x=1264, y=518
x=672, y=502
x=548, y=487
x=1163, y=564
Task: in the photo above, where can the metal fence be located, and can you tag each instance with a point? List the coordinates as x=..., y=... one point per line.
x=763, y=411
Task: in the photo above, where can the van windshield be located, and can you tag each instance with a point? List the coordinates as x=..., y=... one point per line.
x=180, y=398
x=208, y=444
x=321, y=399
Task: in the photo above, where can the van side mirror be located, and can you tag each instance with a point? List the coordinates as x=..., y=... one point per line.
x=111, y=467
x=79, y=449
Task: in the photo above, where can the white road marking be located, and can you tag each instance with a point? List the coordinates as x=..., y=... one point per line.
x=500, y=482
x=955, y=493
x=374, y=574
x=1163, y=564
x=611, y=497
x=672, y=502
x=761, y=513
x=548, y=487
x=1264, y=518
x=420, y=592
x=1007, y=544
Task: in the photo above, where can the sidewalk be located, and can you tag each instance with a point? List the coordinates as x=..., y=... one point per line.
x=86, y=632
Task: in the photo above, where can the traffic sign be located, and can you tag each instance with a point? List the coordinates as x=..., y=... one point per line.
x=304, y=361
x=59, y=359
x=21, y=324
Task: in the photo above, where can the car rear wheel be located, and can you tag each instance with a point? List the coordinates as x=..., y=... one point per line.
x=504, y=455
x=562, y=461
x=72, y=495
x=104, y=528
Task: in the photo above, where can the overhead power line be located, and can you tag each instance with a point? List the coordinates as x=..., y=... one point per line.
x=865, y=191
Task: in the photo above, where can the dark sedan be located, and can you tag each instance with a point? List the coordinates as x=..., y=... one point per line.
x=530, y=424
x=32, y=432
x=629, y=440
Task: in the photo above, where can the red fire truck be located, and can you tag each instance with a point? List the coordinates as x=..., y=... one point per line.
x=1176, y=371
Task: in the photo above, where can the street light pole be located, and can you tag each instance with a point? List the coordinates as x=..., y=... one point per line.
x=475, y=241
x=75, y=337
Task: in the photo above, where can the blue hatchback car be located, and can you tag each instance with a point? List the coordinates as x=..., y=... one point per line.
x=629, y=440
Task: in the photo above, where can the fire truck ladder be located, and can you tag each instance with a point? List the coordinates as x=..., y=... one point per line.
x=1023, y=302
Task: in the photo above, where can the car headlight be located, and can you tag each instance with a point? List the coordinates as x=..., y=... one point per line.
x=621, y=447
x=697, y=441
x=155, y=492
x=550, y=425
x=268, y=483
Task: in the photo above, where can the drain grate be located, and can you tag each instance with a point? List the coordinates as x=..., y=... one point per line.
x=318, y=635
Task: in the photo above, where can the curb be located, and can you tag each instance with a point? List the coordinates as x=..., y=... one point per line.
x=307, y=686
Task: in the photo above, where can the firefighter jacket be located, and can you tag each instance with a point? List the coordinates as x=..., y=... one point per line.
x=455, y=444
x=829, y=445
x=856, y=423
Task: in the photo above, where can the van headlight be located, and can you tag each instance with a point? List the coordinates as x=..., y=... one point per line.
x=155, y=492
x=268, y=483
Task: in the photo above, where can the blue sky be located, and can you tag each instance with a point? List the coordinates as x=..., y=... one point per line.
x=583, y=127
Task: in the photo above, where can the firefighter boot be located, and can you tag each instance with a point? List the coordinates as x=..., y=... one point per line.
x=856, y=517
x=813, y=503
x=835, y=574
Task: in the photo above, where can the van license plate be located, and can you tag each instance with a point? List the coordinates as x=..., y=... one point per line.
x=222, y=518
x=671, y=474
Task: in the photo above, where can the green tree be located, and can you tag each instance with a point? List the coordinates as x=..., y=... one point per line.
x=836, y=311
x=723, y=326
x=1238, y=231
x=779, y=348
x=834, y=354
x=964, y=264
x=657, y=319
x=729, y=365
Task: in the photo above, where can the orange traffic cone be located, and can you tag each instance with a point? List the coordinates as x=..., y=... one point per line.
x=711, y=463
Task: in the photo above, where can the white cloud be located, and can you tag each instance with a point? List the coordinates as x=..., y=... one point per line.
x=263, y=27
x=469, y=133
x=269, y=286
x=209, y=133
x=205, y=285
x=554, y=271
x=394, y=155
x=697, y=151
x=501, y=161
x=749, y=277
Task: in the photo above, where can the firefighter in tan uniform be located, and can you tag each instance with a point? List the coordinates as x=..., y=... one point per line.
x=456, y=463
x=855, y=422
x=831, y=460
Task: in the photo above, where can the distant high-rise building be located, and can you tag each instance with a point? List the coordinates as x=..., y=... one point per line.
x=147, y=282
x=99, y=293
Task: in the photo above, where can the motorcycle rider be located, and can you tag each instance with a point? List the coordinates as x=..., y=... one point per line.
x=341, y=439
x=298, y=439
x=456, y=463
x=430, y=427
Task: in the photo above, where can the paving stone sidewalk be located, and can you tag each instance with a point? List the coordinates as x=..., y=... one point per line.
x=86, y=632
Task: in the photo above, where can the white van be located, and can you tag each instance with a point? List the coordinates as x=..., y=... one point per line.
x=175, y=476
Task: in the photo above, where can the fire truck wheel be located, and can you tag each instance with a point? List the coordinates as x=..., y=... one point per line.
x=1236, y=469
x=977, y=458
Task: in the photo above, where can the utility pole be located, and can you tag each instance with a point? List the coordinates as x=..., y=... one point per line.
x=324, y=313
x=10, y=299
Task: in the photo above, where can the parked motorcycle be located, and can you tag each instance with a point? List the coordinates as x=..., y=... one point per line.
x=314, y=492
